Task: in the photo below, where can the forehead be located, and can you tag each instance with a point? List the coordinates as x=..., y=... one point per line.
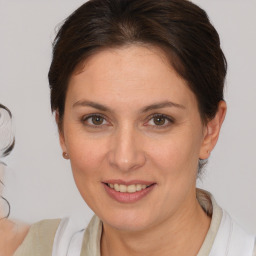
x=130, y=74
x=126, y=59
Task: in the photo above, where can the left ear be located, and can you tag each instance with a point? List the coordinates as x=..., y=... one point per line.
x=212, y=131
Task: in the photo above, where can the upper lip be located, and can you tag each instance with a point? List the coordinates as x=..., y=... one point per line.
x=130, y=182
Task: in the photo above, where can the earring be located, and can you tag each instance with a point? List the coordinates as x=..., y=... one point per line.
x=65, y=155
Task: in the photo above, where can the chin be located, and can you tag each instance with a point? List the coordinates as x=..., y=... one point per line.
x=129, y=226
x=128, y=222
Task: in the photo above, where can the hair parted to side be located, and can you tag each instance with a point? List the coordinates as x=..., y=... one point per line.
x=180, y=28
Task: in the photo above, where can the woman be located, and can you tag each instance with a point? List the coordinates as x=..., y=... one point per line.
x=12, y=232
x=137, y=90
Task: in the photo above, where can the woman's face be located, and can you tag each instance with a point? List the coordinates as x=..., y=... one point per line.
x=132, y=123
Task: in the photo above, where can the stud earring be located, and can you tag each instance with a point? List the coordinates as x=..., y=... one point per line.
x=65, y=155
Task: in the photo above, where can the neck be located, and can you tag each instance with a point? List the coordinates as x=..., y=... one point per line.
x=180, y=235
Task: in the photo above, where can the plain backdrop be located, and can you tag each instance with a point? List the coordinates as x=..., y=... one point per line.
x=38, y=180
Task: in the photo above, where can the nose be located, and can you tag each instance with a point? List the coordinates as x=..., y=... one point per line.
x=126, y=150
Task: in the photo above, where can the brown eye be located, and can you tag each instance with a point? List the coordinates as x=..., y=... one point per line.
x=94, y=121
x=97, y=120
x=159, y=120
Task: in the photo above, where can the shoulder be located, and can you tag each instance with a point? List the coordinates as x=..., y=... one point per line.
x=224, y=234
x=39, y=240
x=12, y=234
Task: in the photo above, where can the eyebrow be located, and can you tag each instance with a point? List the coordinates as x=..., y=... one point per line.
x=162, y=105
x=86, y=103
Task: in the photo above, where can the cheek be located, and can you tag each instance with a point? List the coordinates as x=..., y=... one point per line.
x=86, y=155
x=176, y=154
x=87, y=162
x=86, y=152
x=176, y=161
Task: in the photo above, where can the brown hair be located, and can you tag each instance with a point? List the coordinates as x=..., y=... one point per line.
x=180, y=28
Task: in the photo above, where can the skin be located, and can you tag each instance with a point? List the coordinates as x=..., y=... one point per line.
x=129, y=144
x=12, y=233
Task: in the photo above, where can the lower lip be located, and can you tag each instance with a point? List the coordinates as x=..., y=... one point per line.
x=128, y=197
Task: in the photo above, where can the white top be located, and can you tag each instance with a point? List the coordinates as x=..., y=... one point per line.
x=224, y=238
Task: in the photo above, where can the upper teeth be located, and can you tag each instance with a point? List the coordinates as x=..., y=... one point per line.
x=130, y=189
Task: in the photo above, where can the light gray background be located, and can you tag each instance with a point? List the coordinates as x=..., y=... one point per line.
x=38, y=181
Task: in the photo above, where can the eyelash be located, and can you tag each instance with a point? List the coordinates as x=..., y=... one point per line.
x=170, y=120
x=86, y=118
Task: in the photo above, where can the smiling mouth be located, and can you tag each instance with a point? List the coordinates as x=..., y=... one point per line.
x=128, y=188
